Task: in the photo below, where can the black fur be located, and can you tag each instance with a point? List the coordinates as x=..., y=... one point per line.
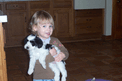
x=38, y=42
x=48, y=46
x=63, y=61
x=25, y=40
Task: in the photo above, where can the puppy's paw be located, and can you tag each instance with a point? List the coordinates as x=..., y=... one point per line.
x=30, y=72
x=56, y=78
x=63, y=79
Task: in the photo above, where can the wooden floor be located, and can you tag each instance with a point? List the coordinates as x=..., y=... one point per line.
x=88, y=59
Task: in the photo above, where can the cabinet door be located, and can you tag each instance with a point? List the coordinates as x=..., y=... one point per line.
x=16, y=28
x=63, y=23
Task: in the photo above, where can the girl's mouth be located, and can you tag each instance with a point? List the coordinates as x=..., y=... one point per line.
x=48, y=33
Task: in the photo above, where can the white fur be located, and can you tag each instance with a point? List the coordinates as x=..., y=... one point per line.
x=40, y=54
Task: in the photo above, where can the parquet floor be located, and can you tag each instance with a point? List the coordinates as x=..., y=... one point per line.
x=88, y=59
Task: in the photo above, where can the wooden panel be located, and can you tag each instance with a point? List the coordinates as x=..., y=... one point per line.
x=117, y=19
x=62, y=4
x=61, y=0
x=3, y=69
x=0, y=6
x=16, y=28
x=63, y=23
x=88, y=13
x=86, y=20
x=89, y=28
x=39, y=4
x=15, y=6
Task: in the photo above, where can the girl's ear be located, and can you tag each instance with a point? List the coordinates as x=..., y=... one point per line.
x=34, y=28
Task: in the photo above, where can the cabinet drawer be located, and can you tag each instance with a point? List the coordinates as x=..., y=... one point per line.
x=15, y=6
x=88, y=13
x=62, y=4
x=39, y=4
x=88, y=20
x=86, y=29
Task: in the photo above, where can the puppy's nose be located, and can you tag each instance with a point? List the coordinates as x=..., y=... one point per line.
x=27, y=47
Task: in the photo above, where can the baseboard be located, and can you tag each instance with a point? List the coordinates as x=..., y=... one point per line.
x=106, y=37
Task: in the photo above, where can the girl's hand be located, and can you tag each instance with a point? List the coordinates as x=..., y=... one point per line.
x=53, y=51
x=59, y=57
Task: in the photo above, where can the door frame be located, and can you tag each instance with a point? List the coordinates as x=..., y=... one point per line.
x=114, y=18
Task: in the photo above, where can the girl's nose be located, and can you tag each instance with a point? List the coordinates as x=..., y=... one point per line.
x=48, y=28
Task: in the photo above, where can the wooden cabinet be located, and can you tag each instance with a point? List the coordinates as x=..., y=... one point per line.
x=16, y=28
x=89, y=23
x=69, y=26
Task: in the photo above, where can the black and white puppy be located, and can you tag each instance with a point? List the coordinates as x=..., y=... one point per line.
x=38, y=50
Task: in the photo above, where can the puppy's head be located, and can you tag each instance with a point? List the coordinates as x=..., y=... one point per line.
x=29, y=42
x=32, y=41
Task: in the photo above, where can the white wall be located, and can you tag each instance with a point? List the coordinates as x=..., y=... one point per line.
x=108, y=18
x=89, y=4
x=97, y=4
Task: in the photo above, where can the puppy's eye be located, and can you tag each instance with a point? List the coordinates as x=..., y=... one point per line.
x=33, y=43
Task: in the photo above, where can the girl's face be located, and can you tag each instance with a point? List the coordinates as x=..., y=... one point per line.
x=44, y=30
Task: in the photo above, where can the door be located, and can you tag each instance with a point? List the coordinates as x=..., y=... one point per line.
x=117, y=19
x=16, y=29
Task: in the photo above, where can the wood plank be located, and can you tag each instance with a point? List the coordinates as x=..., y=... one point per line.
x=3, y=70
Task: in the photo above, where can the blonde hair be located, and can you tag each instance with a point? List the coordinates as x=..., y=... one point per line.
x=40, y=17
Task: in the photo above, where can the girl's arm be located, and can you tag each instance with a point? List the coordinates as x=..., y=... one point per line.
x=63, y=55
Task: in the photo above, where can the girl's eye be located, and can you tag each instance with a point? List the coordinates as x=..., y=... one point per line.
x=51, y=26
x=44, y=26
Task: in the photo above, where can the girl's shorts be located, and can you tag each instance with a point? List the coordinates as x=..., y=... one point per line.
x=43, y=80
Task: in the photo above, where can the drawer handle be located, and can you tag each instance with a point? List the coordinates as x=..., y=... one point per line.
x=88, y=19
x=15, y=5
x=88, y=26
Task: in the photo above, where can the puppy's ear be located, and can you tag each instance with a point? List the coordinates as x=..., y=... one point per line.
x=25, y=40
x=38, y=42
x=48, y=46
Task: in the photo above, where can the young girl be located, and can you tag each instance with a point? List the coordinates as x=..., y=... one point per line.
x=42, y=25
